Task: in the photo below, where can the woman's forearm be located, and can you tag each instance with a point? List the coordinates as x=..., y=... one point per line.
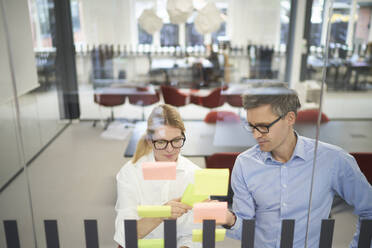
x=147, y=225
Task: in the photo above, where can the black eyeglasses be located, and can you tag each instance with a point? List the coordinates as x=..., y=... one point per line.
x=263, y=129
x=175, y=143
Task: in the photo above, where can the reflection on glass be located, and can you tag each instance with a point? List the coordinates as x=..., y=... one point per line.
x=337, y=179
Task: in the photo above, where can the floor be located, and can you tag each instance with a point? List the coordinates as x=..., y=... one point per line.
x=74, y=178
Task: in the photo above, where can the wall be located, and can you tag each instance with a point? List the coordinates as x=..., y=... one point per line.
x=257, y=21
x=108, y=22
x=20, y=43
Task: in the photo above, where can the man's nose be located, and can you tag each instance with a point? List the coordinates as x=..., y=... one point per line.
x=256, y=133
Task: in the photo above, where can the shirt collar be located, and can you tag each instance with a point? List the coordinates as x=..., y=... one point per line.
x=299, y=150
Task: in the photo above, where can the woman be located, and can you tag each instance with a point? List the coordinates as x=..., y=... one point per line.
x=163, y=140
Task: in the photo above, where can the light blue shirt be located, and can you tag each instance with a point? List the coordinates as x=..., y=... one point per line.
x=270, y=191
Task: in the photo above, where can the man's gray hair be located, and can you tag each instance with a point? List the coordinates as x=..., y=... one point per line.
x=281, y=99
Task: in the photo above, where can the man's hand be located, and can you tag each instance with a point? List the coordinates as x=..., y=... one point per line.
x=177, y=208
x=230, y=219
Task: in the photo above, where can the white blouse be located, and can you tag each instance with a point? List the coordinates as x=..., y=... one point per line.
x=133, y=190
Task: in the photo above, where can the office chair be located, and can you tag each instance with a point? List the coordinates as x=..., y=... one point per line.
x=144, y=100
x=212, y=100
x=108, y=100
x=173, y=96
x=310, y=115
x=364, y=160
x=221, y=116
x=223, y=160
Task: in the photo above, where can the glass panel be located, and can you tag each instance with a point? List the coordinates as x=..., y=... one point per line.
x=121, y=71
x=29, y=121
x=341, y=186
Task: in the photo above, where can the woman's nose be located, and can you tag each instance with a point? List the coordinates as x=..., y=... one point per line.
x=169, y=147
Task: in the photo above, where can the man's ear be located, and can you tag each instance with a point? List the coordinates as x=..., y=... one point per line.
x=291, y=118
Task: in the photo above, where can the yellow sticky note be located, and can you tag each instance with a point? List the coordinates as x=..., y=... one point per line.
x=154, y=211
x=150, y=243
x=211, y=182
x=189, y=197
x=197, y=235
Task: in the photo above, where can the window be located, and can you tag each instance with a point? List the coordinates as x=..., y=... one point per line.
x=143, y=36
x=193, y=38
x=169, y=35
x=75, y=15
x=221, y=32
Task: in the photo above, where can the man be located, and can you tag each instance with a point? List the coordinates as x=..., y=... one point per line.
x=272, y=180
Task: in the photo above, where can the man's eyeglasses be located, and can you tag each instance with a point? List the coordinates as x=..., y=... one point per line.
x=175, y=143
x=263, y=129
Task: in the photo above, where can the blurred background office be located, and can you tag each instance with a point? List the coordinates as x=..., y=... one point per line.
x=79, y=77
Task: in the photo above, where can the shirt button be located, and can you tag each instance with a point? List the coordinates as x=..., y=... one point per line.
x=284, y=185
x=284, y=204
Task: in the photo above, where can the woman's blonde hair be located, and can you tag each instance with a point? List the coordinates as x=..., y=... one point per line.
x=163, y=114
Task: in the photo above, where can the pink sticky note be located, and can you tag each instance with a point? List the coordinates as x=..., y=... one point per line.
x=159, y=170
x=210, y=211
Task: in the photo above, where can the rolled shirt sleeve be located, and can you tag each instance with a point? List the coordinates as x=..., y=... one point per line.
x=243, y=203
x=350, y=183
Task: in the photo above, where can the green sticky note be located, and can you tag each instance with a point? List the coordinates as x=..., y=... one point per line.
x=154, y=211
x=189, y=197
x=197, y=235
x=211, y=182
x=150, y=243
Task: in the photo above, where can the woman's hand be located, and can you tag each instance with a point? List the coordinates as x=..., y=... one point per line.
x=177, y=208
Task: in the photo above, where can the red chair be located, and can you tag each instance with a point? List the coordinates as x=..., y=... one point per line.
x=173, y=96
x=221, y=116
x=310, y=115
x=212, y=100
x=364, y=160
x=144, y=100
x=223, y=160
x=108, y=100
x=235, y=100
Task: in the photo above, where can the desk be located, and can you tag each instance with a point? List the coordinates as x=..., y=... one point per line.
x=171, y=63
x=204, y=139
x=124, y=91
x=361, y=67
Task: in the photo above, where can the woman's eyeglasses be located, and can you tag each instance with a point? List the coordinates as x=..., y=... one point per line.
x=163, y=144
